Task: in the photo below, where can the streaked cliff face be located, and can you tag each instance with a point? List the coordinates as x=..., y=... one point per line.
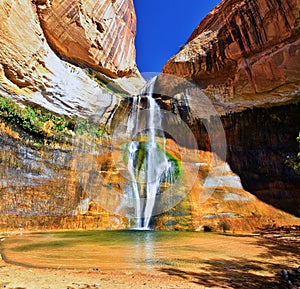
x=99, y=34
x=48, y=46
x=33, y=72
x=243, y=50
x=245, y=55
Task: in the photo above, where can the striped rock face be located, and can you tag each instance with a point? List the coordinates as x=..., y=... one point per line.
x=243, y=48
x=47, y=46
x=99, y=34
x=245, y=55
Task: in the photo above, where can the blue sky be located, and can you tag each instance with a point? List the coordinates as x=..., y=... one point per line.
x=163, y=26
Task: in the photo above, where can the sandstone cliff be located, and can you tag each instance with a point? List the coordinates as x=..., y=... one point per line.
x=245, y=55
x=53, y=81
x=55, y=158
x=30, y=71
x=99, y=34
x=243, y=50
x=65, y=187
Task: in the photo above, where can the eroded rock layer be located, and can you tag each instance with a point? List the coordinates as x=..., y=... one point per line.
x=71, y=180
x=41, y=186
x=99, y=34
x=31, y=72
x=66, y=187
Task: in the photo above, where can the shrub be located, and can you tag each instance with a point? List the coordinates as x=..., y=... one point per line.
x=43, y=124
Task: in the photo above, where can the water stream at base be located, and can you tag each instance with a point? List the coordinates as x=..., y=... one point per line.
x=148, y=164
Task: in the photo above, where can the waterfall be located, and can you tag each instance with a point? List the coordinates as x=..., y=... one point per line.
x=148, y=164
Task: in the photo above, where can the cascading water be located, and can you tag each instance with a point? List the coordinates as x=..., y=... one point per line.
x=148, y=164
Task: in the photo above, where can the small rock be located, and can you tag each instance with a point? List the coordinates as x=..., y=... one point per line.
x=78, y=283
x=284, y=272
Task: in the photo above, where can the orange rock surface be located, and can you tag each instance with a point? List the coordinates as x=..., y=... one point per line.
x=99, y=34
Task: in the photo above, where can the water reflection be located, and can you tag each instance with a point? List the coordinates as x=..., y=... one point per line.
x=144, y=250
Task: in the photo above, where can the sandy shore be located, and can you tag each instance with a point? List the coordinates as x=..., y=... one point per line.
x=16, y=277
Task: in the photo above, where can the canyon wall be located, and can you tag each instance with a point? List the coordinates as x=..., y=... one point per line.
x=59, y=63
x=70, y=65
x=63, y=186
x=99, y=34
x=37, y=55
x=242, y=50
x=245, y=55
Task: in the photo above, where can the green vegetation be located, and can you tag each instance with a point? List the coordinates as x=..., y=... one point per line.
x=297, y=162
x=106, y=86
x=141, y=155
x=43, y=124
x=177, y=165
x=294, y=161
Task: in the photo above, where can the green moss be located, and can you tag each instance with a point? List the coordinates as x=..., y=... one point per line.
x=105, y=85
x=177, y=164
x=42, y=124
x=141, y=155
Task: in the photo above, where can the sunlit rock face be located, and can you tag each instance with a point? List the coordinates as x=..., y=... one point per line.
x=75, y=184
x=31, y=72
x=218, y=202
x=41, y=186
x=242, y=50
x=245, y=56
x=79, y=183
x=63, y=187
x=99, y=34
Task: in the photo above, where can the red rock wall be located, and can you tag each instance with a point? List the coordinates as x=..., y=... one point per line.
x=250, y=46
x=246, y=57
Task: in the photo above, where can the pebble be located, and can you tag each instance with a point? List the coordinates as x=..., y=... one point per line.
x=284, y=272
x=80, y=284
x=291, y=279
